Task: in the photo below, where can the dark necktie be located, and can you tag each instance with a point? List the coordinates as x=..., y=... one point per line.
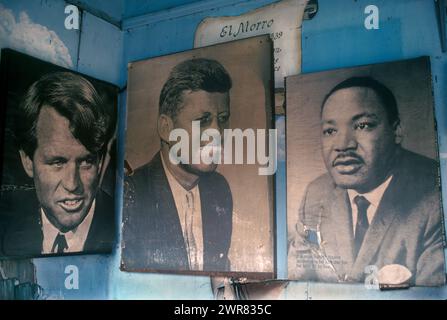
x=60, y=243
x=362, y=222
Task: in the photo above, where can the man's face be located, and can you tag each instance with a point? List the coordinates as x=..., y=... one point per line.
x=65, y=173
x=213, y=112
x=358, y=141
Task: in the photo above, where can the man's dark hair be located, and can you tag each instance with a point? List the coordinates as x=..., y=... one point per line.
x=192, y=75
x=385, y=95
x=74, y=98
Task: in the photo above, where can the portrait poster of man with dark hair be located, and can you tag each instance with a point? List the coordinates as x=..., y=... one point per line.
x=198, y=217
x=363, y=181
x=58, y=160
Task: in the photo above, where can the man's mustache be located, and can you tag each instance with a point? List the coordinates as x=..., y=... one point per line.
x=347, y=158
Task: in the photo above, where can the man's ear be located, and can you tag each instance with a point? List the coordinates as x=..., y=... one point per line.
x=398, y=134
x=164, y=125
x=27, y=163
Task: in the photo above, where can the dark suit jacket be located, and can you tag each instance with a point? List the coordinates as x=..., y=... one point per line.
x=406, y=229
x=22, y=234
x=152, y=233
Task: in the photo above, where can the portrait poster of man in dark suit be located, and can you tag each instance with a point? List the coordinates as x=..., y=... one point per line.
x=365, y=203
x=197, y=218
x=57, y=187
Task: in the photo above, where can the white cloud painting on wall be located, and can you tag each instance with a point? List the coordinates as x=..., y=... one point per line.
x=32, y=38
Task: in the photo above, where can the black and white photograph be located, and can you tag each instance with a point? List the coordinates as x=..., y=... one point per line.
x=198, y=217
x=363, y=183
x=58, y=160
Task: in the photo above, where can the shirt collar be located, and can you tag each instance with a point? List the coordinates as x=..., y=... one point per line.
x=173, y=181
x=374, y=196
x=75, y=237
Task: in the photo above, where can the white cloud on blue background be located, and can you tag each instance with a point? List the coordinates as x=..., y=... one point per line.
x=31, y=38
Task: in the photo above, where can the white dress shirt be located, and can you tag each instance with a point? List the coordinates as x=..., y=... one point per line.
x=189, y=216
x=374, y=197
x=75, y=238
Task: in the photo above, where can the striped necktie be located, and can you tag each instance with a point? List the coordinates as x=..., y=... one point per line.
x=189, y=225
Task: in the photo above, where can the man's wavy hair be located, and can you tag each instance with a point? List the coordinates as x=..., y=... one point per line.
x=384, y=94
x=74, y=98
x=192, y=75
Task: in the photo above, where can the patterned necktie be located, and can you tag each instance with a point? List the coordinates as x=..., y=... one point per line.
x=60, y=243
x=362, y=222
x=190, y=240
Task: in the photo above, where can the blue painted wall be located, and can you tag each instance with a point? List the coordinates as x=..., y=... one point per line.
x=335, y=38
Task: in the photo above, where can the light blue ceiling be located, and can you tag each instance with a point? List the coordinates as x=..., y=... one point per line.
x=134, y=8
x=111, y=9
x=115, y=11
x=118, y=10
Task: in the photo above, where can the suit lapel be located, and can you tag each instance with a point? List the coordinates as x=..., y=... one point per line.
x=167, y=216
x=340, y=214
x=102, y=231
x=209, y=222
x=205, y=222
x=216, y=203
x=385, y=214
x=25, y=237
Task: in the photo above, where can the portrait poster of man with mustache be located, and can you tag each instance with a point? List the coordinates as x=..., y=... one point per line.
x=363, y=176
x=198, y=217
x=58, y=161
